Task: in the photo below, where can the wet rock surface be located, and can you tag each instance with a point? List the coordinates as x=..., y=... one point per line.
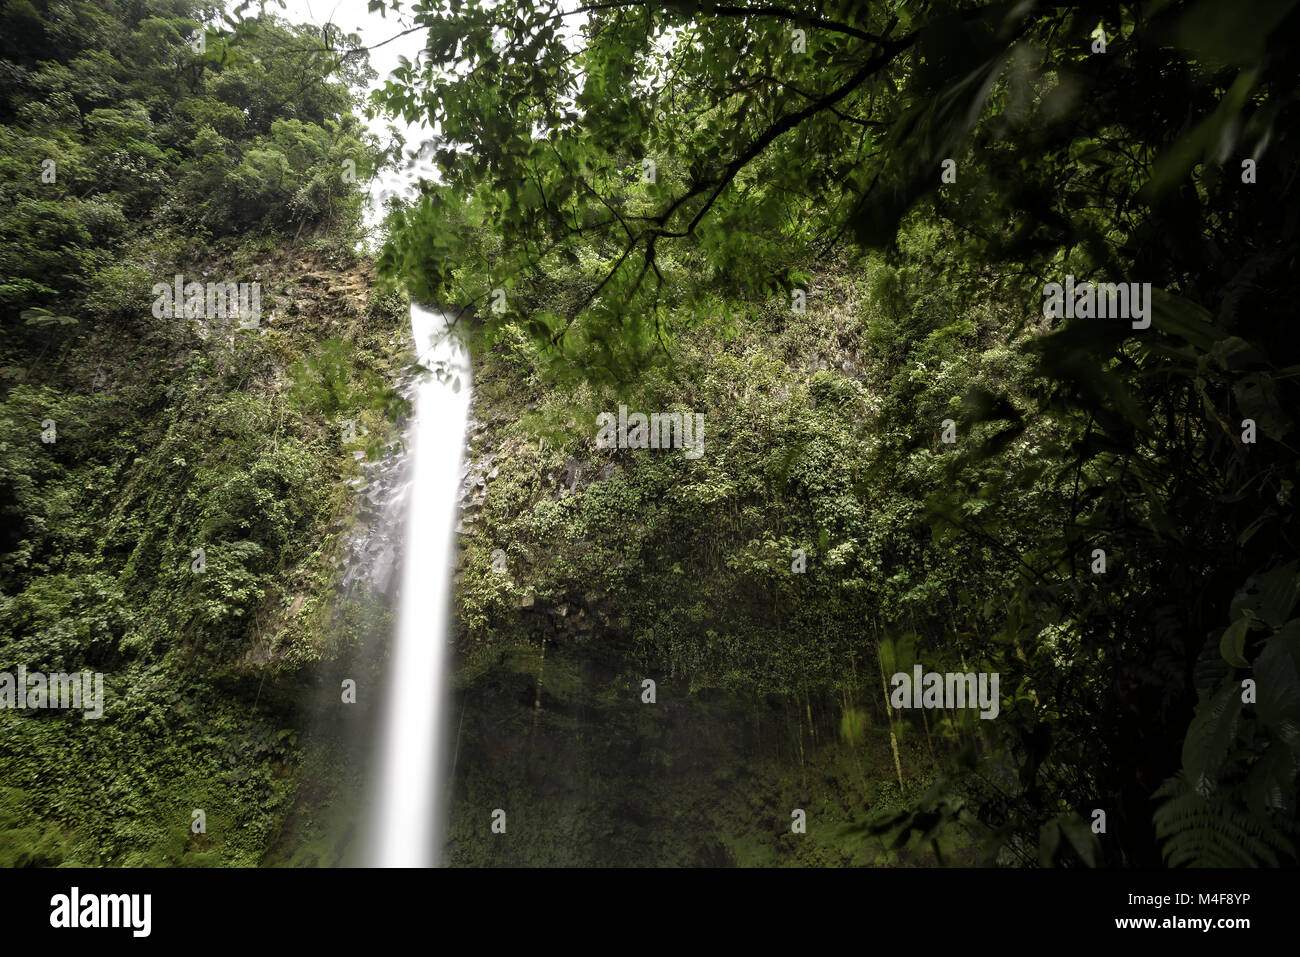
x=373, y=550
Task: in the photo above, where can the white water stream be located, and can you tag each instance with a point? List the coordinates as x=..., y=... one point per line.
x=407, y=812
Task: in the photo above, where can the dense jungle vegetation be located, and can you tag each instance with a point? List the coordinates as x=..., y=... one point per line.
x=828, y=227
x=825, y=226
x=128, y=157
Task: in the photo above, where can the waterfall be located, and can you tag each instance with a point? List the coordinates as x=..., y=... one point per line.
x=405, y=816
x=406, y=811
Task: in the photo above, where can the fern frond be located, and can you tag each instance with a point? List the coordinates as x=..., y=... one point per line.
x=1210, y=831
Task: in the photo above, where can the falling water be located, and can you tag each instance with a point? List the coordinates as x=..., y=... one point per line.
x=405, y=817
x=406, y=826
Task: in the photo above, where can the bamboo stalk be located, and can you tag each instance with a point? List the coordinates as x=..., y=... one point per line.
x=537, y=700
x=893, y=738
x=928, y=740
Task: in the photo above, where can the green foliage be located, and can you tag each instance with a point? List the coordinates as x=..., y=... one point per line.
x=162, y=442
x=113, y=127
x=1211, y=831
x=778, y=171
x=322, y=382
